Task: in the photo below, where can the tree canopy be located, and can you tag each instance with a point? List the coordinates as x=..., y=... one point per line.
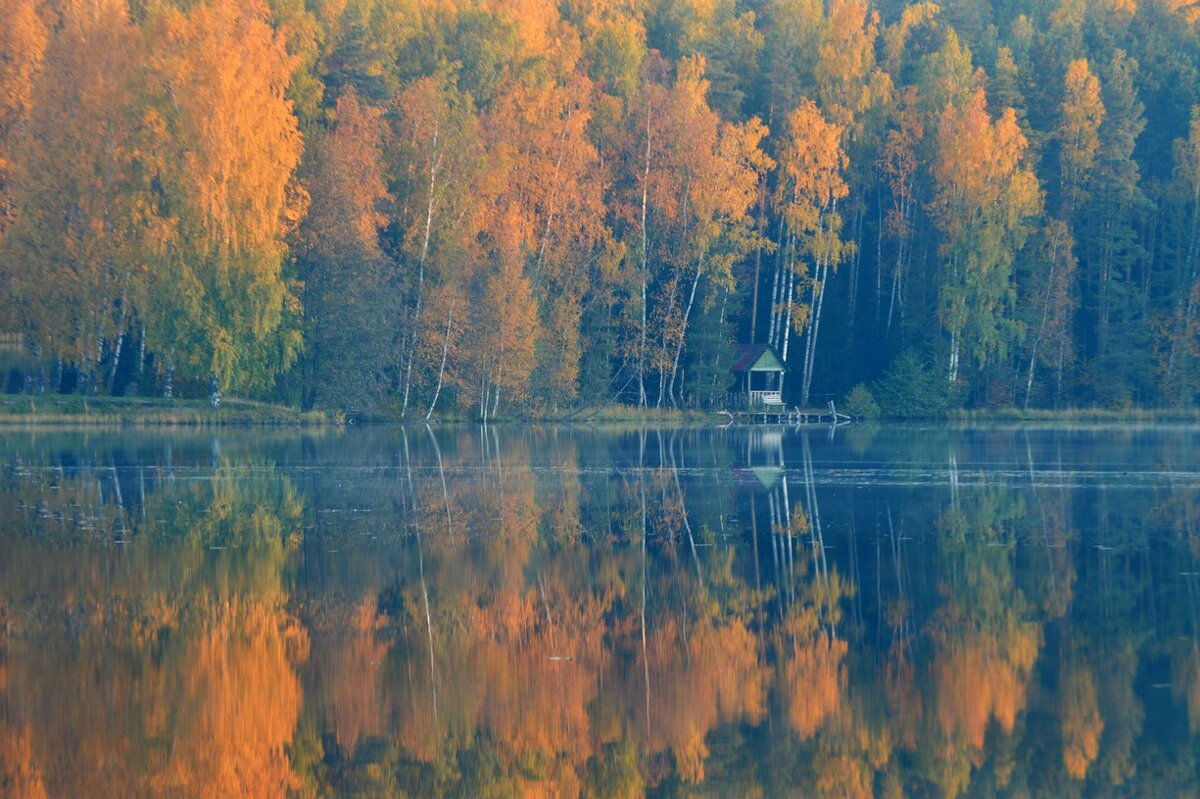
x=522, y=208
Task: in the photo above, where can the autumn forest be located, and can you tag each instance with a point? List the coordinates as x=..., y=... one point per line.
x=499, y=208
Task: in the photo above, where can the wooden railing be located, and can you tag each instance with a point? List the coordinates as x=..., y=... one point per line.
x=766, y=397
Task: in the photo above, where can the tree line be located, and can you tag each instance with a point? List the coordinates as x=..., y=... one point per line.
x=495, y=208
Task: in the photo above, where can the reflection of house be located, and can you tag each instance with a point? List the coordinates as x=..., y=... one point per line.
x=757, y=478
x=764, y=461
x=12, y=343
x=759, y=372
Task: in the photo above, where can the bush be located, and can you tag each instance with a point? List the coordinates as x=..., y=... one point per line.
x=860, y=403
x=911, y=389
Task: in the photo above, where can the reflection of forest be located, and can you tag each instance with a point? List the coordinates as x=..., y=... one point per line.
x=525, y=613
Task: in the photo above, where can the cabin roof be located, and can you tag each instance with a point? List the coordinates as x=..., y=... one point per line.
x=756, y=358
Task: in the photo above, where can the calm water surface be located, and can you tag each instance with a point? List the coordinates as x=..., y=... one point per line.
x=550, y=612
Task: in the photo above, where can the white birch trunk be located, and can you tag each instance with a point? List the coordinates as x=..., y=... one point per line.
x=441, y=369
x=786, y=332
x=814, y=327
x=645, y=269
x=683, y=331
x=434, y=166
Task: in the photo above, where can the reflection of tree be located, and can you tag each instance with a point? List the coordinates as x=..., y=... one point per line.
x=19, y=774
x=232, y=711
x=174, y=672
x=704, y=678
x=349, y=654
x=1185, y=668
x=812, y=673
x=985, y=638
x=1080, y=718
x=508, y=619
x=1122, y=710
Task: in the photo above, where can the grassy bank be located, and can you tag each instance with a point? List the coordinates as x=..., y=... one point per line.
x=629, y=414
x=1068, y=415
x=74, y=410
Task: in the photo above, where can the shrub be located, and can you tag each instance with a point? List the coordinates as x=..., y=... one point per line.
x=860, y=402
x=911, y=389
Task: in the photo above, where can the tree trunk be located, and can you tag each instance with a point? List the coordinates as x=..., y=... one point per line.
x=762, y=201
x=953, y=357
x=771, y=311
x=141, y=364
x=116, y=361
x=855, y=265
x=810, y=354
x=441, y=369
x=645, y=269
x=434, y=166
x=786, y=333
x=1037, y=339
x=683, y=330
x=562, y=147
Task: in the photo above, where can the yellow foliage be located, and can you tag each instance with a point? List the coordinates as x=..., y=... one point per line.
x=1080, y=719
x=19, y=772
x=814, y=678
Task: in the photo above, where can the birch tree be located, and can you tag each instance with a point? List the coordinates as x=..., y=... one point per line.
x=436, y=149
x=73, y=255
x=985, y=198
x=219, y=302
x=23, y=40
x=812, y=163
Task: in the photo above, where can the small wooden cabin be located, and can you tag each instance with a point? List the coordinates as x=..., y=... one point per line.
x=759, y=371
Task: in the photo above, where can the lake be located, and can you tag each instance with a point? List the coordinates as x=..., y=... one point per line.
x=470, y=612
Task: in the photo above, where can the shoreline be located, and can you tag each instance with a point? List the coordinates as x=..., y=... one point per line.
x=66, y=410
x=19, y=410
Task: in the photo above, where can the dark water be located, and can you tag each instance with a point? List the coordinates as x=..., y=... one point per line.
x=881, y=612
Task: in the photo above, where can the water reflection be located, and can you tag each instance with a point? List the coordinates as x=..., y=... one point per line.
x=496, y=612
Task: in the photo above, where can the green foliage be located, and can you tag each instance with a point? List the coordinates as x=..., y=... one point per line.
x=860, y=403
x=912, y=389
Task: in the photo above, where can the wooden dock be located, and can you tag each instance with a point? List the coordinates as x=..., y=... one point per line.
x=783, y=415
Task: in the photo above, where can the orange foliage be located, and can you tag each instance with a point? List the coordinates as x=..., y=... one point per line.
x=235, y=138
x=226, y=146
x=812, y=162
x=979, y=164
x=1081, y=720
x=814, y=680
x=713, y=677
x=983, y=678
x=19, y=773
x=240, y=700
x=847, y=77
x=23, y=39
x=348, y=189
x=349, y=661
x=1079, y=130
x=81, y=217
